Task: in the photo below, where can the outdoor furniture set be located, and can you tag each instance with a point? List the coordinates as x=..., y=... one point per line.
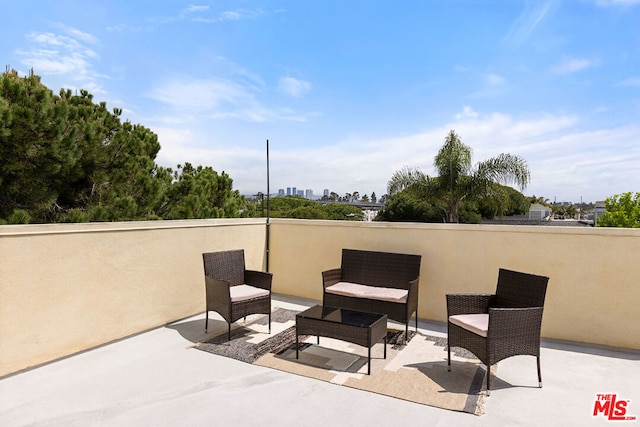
x=371, y=287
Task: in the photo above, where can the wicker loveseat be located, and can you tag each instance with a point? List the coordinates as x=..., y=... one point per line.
x=375, y=282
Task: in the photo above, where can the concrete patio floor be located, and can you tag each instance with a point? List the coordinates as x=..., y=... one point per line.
x=157, y=379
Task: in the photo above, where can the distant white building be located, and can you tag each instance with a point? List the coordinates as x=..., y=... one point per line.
x=598, y=211
x=539, y=212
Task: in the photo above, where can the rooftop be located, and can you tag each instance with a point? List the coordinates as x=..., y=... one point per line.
x=157, y=378
x=98, y=322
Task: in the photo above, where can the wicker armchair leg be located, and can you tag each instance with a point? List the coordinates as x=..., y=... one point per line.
x=448, y=357
x=488, y=379
x=229, y=333
x=206, y=322
x=539, y=373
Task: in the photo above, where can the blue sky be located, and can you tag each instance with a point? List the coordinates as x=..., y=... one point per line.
x=347, y=92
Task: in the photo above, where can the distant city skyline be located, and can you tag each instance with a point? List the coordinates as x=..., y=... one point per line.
x=309, y=193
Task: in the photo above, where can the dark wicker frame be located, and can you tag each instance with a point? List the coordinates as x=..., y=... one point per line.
x=515, y=320
x=385, y=269
x=225, y=269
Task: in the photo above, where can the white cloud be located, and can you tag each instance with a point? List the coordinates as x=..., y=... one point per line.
x=572, y=65
x=79, y=35
x=495, y=80
x=203, y=14
x=467, y=113
x=522, y=28
x=613, y=3
x=293, y=87
x=68, y=55
x=229, y=15
x=220, y=98
x=492, y=85
x=201, y=95
x=195, y=8
x=631, y=81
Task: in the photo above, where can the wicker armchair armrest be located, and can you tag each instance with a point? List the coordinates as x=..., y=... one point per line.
x=259, y=279
x=217, y=290
x=413, y=289
x=515, y=323
x=468, y=303
x=331, y=277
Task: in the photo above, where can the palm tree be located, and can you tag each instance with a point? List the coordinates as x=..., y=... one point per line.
x=458, y=179
x=540, y=200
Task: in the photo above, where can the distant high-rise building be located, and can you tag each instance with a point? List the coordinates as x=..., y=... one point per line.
x=289, y=191
x=281, y=192
x=325, y=192
x=294, y=191
x=301, y=193
x=308, y=193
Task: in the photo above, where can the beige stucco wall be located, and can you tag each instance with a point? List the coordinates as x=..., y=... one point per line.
x=70, y=287
x=593, y=292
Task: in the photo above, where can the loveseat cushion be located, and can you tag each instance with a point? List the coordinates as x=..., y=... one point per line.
x=246, y=292
x=476, y=323
x=371, y=292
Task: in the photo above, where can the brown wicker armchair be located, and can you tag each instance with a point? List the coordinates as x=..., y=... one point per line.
x=494, y=327
x=231, y=290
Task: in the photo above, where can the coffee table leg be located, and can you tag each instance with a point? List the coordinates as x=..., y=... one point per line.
x=296, y=343
x=385, y=346
x=369, y=364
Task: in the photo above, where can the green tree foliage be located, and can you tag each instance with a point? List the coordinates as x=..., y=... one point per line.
x=460, y=186
x=564, y=211
x=540, y=200
x=67, y=159
x=200, y=192
x=37, y=146
x=298, y=207
x=341, y=211
x=508, y=201
x=406, y=206
x=623, y=210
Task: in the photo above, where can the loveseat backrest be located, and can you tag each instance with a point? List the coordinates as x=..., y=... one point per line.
x=391, y=270
x=225, y=265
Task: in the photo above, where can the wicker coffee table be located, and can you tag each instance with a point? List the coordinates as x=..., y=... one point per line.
x=365, y=329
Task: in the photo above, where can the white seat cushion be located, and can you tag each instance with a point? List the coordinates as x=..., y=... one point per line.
x=372, y=292
x=476, y=323
x=244, y=292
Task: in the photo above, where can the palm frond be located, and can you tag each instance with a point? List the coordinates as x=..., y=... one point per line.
x=405, y=178
x=504, y=168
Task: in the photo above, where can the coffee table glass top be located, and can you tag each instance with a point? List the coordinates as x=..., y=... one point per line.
x=340, y=315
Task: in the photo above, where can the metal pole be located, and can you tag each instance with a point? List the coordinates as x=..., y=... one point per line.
x=268, y=207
